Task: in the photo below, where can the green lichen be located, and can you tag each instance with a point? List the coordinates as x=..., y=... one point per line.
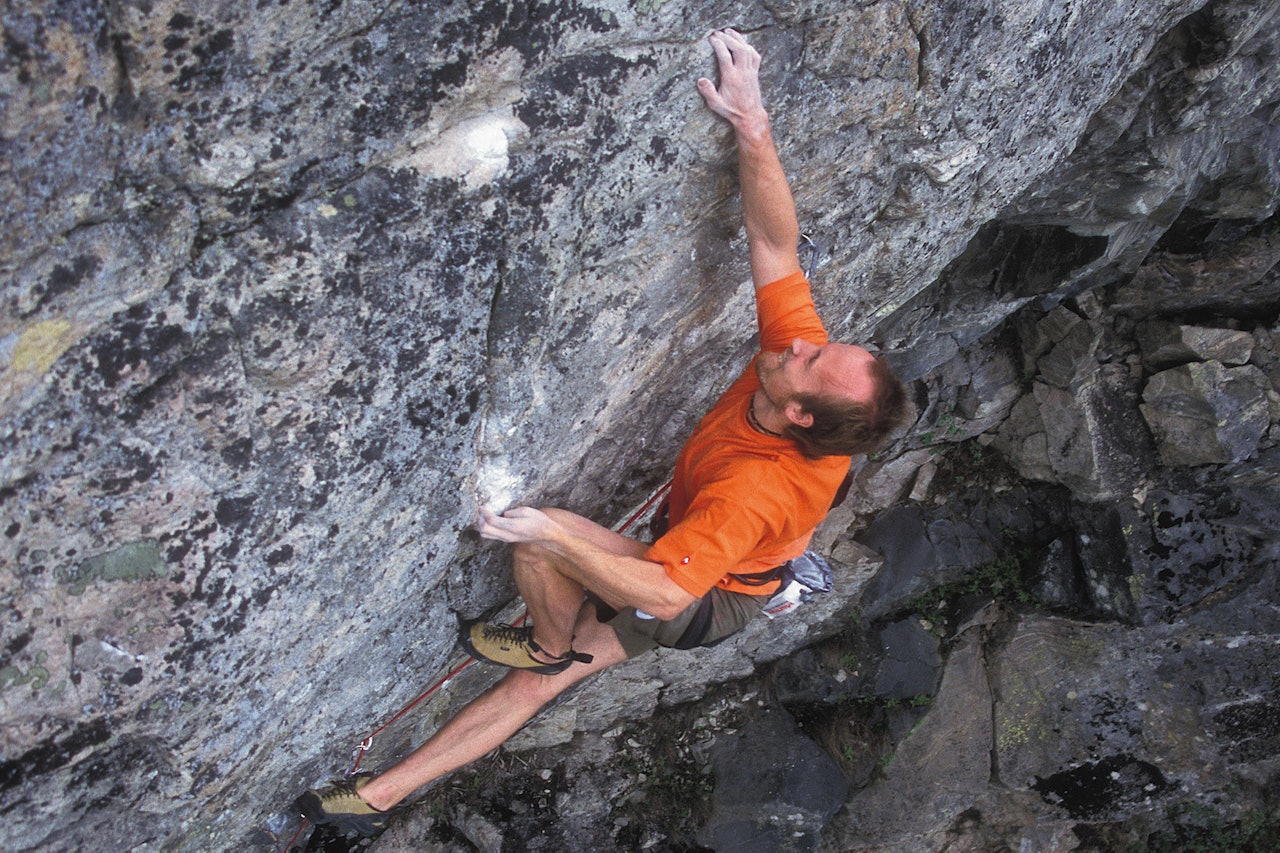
x=1018, y=722
x=1000, y=579
x=41, y=345
x=1192, y=827
x=36, y=675
x=136, y=561
x=1082, y=648
x=648, y=7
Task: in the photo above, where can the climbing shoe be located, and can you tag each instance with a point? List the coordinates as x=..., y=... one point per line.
x=339, y=805
x=508, y=645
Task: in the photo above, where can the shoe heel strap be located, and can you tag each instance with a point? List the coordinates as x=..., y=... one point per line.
x=571, y=655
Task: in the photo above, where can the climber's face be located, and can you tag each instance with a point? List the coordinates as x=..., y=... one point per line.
x=818, y=370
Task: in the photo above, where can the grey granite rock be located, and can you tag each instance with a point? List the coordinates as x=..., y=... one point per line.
x=911, y=661
x=775, y=789
x=1167, y=345
x=1205, y=413
x=935, y=770
x=288, y=293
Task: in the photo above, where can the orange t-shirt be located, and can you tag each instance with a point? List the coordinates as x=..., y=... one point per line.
x=742, y=502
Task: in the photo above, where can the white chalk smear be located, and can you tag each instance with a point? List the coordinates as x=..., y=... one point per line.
x=496, y=487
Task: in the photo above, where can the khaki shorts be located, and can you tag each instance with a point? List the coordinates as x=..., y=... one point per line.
x=713, y=618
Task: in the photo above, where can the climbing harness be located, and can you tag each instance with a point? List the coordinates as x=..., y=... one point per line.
x=359, y=752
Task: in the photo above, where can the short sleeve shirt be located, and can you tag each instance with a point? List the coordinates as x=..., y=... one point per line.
x=743, y=502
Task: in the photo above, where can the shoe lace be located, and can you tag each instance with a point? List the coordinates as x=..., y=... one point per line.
x=524, y=634
x=508, y=633
x=340, y=789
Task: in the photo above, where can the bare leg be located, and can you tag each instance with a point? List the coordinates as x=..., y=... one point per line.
x=553, y=598
x=559, y=617
x=492, y=717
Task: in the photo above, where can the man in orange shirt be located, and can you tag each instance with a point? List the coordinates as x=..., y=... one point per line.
x=751, y=484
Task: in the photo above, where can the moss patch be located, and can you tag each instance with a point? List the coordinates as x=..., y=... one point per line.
x=136, y=561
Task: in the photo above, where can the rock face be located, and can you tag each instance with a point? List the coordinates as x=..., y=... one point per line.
x=1206, y=413
x=290, y=291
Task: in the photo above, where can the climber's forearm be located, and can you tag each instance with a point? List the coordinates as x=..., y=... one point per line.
x=767, y=204
x=768, y=208
x=621, y=580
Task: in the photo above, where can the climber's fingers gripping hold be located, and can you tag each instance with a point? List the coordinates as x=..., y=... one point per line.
x=737, y=98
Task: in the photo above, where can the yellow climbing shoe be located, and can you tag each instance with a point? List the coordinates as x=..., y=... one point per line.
x=507, y=645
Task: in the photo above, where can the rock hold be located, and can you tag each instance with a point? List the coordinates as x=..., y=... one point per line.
x=1206, y=413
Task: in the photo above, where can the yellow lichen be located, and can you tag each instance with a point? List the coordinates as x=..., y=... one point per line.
x=1018, y=722
x=41, y=345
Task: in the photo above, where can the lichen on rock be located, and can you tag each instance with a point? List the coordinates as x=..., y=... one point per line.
x=289, y=295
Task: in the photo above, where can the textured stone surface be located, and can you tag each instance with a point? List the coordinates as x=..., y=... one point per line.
x=1087, y=719
x=911, y=661
x=937, y=768
x=1205, y=412
x=775, y=788
x=1075, y=698
x=289, y=291
x=1166, y=345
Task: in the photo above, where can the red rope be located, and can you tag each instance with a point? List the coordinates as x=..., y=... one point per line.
x=422, y=697
x=289, y=844
x=367, y=743
x=648, y=505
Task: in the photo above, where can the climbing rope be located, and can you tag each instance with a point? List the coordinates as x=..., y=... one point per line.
x=363, y=747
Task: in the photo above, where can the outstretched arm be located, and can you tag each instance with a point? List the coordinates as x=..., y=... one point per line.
x=768, y=208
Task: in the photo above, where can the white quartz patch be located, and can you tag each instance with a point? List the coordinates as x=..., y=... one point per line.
x=227, y=164
x=474, y=150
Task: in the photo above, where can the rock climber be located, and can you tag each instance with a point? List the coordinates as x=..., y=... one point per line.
x=750, y=486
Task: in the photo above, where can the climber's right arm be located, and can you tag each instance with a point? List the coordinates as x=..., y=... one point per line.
x=768, y=207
